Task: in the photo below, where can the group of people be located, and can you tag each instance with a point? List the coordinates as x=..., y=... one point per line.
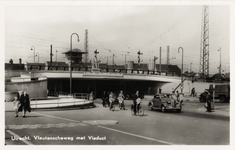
x=109, y=99
x=177, y=98
x=21, y=103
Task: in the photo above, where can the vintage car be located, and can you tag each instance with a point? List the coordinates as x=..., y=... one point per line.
x=165, y=101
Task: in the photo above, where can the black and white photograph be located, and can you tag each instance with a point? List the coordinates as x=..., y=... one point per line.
x=108, y=73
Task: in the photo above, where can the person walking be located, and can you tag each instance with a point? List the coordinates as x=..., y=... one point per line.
x=192, y=92
x=91, y=96
x=16, y=105
x=104, y=98
x=111, y=100
x=136, y=96
x=25, y=104
x=208, y=101
x=177, y=95
x=121, y=99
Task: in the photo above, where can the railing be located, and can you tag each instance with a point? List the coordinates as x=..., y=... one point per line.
x=27, y=79
x=76, y=99
x=81, y=96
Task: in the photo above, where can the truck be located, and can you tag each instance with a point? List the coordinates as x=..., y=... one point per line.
x=219, y=91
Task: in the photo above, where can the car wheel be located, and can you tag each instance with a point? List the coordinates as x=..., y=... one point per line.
x=222, y=99
x=163, y=109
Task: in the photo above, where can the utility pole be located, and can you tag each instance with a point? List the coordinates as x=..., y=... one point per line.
x=113, y=59
x=168, y=55
x=160, y=60
x=56, y=55
x=51, y=57
x=220, y=61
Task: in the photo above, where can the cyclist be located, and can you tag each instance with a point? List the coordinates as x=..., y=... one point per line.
x=121, y=100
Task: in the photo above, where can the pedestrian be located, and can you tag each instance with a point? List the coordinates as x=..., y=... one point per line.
x=136, y=96
x=104, y=98
x=121, y=99
x=177, y=95
x=91, y=96
x=208, y=101
x=111, y=100
x=16, y=105
x=24, y=103
x=192, y=92
x=181, y=98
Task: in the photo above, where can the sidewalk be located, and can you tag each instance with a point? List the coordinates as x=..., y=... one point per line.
x=53, y=103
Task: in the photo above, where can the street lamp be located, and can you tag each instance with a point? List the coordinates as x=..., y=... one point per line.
x=71, y=61
x=113, y=59
x=56, y=55
x=191, y=67
x=182, y=68
x=220, y=61
x=32, y=47
x=37, y=55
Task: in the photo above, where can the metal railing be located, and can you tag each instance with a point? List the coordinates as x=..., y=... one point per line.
x=58, y=102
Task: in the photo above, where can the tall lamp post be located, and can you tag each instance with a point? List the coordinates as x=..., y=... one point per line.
x=182, y=67
x=37, y=55
x=33, y=48
x=191, y=67
x=71, y=61
x=56, y=55
x=220, y=61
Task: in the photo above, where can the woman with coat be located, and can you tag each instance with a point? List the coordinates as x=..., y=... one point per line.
x=25, y=104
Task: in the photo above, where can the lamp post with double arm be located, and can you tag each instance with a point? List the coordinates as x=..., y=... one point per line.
x=33, y=48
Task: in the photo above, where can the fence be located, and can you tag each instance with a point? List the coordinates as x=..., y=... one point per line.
x=76, y=99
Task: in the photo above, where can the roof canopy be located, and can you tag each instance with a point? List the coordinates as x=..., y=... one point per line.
x=75, y=51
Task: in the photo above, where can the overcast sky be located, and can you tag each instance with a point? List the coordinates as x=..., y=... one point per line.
x=115, y=29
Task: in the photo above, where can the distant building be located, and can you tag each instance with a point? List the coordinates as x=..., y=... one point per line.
x=75, y=55
x=173, y=70
x=12, y=66
x=56, y=65
x=34, y=66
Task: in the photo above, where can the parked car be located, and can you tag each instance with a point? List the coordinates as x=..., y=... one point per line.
x=221, y=92
x=164, y=102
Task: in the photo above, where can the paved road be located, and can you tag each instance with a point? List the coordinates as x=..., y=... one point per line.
x=99, y=126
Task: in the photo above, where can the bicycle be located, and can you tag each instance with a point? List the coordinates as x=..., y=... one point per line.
x=122, y=106
x=139, y=111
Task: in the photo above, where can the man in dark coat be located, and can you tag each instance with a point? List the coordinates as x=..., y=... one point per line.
x=25, y=104
x=104, y=98
x=208, y=101
x=134, y=101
